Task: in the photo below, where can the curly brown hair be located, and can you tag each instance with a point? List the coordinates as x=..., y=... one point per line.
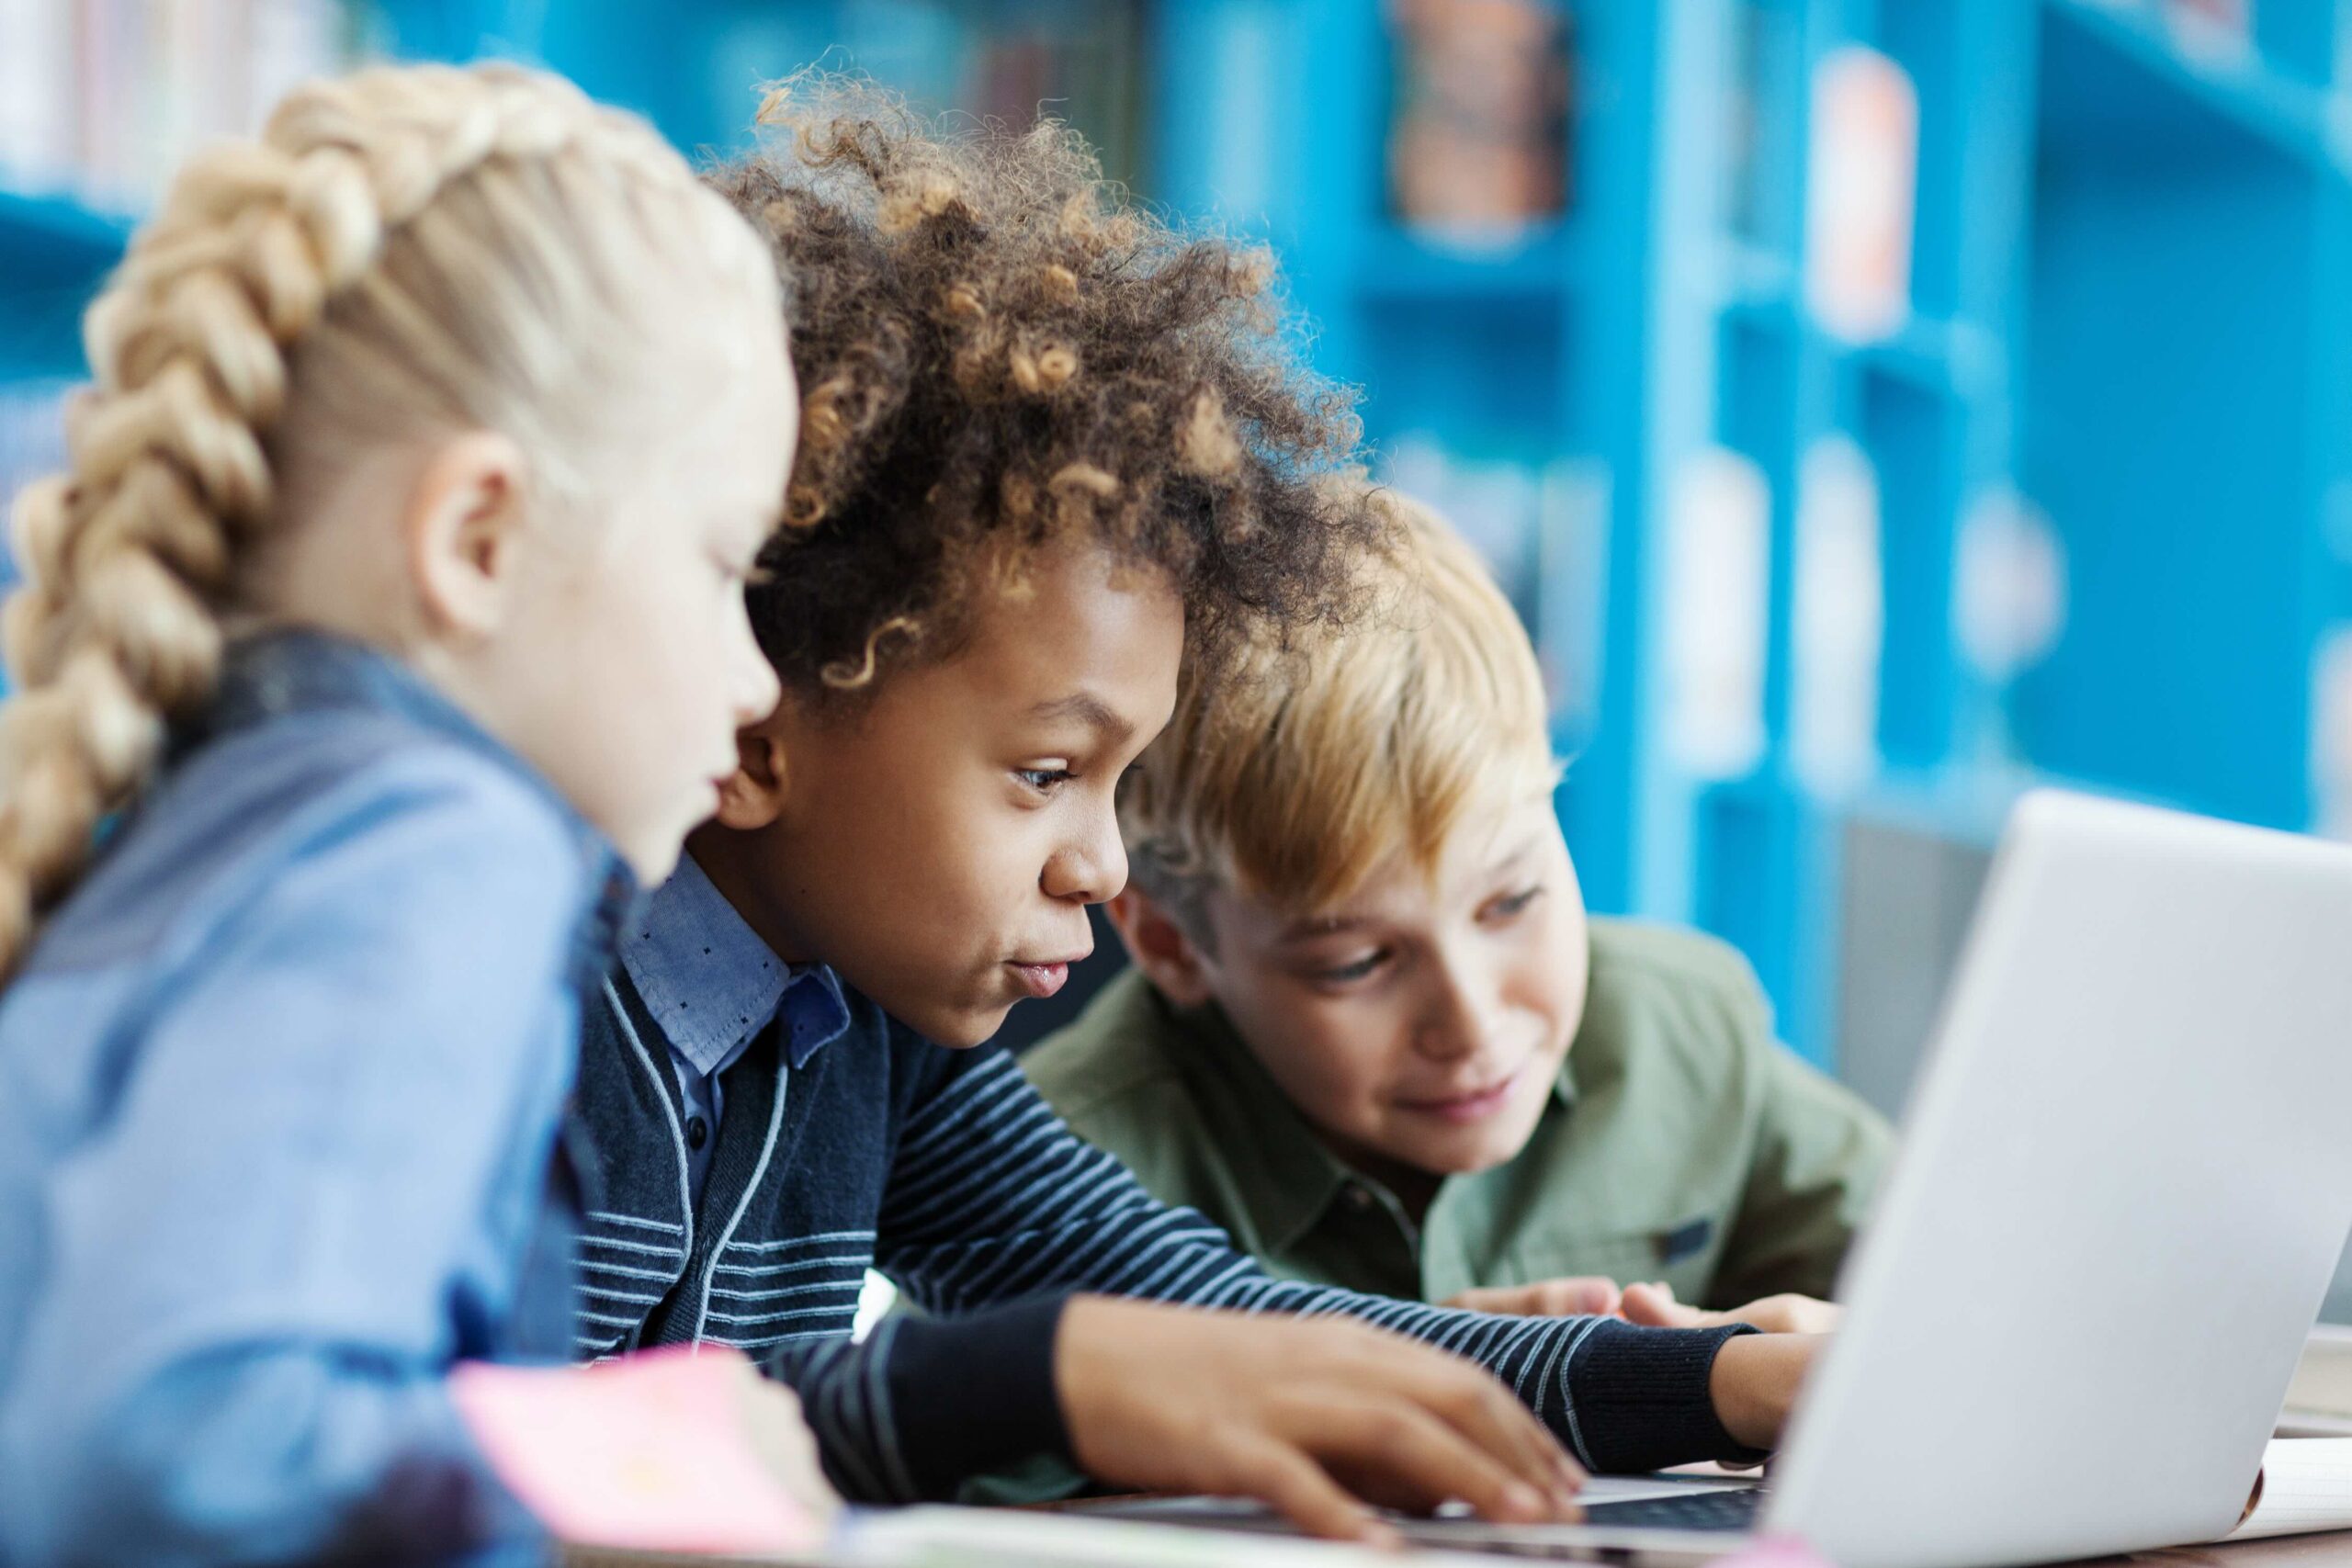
x=997, y=348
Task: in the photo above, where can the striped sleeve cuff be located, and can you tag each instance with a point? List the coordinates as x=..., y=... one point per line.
x=974, y=1394
x=1640, y=1398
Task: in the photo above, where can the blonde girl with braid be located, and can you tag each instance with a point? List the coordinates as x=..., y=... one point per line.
x=387, y=630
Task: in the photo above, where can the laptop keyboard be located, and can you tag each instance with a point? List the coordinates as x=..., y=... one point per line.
x=1727, y=1509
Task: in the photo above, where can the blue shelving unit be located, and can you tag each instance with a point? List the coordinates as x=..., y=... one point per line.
x=53, y=251
x=2129, y=306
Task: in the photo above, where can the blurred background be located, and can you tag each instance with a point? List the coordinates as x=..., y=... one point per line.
x=1873, y=406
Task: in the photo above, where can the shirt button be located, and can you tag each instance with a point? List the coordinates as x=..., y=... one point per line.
x=698, y=1133
x=1358, y=1197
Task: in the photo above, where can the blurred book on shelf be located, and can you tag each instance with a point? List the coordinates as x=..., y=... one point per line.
x=1542, y=527
x=1008, y=61
x=1079, y=64
x=2218, y=30
x=2230, y=15
x=1862, y=184
x=1759, y=127
x=1745, y=207
x=2214, y=31
x=1478, y=136
x=1717, y=599
x=1839, y=619
x=100, y=98
x=1497, y=505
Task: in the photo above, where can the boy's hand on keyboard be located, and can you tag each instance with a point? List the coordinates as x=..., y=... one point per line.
x=1655, y=1306
x=1755, y=1383
x=1307, y=1414
x=1583, y=1295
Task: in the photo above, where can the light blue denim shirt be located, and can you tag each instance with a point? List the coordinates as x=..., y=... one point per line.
x=280, y=1086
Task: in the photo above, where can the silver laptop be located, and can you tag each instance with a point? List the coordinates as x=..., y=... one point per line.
x=2125, y=1177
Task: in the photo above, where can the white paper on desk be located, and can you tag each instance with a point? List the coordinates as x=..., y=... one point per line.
x=2305, y=1486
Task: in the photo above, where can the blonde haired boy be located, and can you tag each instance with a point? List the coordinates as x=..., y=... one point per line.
x=1372, y=1031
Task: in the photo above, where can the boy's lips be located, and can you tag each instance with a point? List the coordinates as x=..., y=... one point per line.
x=1472, y=1105
x=1044, y=977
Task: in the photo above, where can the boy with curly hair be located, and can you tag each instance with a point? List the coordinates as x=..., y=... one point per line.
x=1051, y=449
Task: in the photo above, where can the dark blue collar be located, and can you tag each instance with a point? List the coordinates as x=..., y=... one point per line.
x=290, y=670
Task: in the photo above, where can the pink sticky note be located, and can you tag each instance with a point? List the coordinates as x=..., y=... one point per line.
x=646, y=1452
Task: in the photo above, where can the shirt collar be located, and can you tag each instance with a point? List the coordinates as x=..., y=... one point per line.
x=1292, y=1179
x=289, y=670
x=713, y=985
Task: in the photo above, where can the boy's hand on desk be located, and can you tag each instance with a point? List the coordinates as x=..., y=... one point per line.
x=1655, y=1306
x=1580, y=1296
x=1299, y=1413
x=1755, y=1383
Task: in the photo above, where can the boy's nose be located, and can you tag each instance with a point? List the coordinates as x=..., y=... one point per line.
x=1446, y=1042
x=1458, y=1019
x=1087, y=873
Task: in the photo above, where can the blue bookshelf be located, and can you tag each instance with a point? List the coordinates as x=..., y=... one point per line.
x=2130, y=255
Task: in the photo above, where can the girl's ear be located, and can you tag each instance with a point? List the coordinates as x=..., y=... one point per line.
x=752, y=795
x=462, y=532
x=1159, y=948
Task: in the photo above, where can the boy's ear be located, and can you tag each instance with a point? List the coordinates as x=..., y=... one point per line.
x=1159, y=948
x=461, y=532
x=752, y=795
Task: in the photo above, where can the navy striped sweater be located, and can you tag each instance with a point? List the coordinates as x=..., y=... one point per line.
x=947, y=1171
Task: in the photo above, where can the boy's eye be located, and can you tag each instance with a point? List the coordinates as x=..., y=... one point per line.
x=1364, y=968
x=1044, y=781
x=1511, y=904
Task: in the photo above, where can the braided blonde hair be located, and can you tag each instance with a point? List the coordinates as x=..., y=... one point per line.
x=405, y=253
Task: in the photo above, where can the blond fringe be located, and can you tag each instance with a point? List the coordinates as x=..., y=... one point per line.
x=1310, y=765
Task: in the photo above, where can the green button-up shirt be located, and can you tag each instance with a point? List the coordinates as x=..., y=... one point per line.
x=1681, y=1142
